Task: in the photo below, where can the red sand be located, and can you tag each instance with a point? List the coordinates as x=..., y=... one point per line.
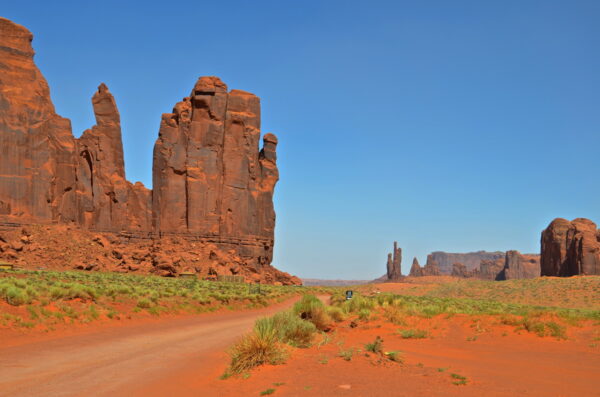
x=499, y=362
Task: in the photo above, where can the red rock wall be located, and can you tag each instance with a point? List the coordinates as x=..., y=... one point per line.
x=570, y=248
x=212, y=182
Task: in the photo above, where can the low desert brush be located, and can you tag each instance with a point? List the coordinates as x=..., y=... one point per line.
x=310, y=308
x=259, y=347
x=413, y=334
x=376, y=346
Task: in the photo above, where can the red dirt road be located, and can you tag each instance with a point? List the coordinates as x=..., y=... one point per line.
x=118, y=360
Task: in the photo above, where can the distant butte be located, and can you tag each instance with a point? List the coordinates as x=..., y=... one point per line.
x=212, y=184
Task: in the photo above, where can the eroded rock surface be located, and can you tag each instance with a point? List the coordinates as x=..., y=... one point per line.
x=570, y=248
x=213, y=185
x=471, y=260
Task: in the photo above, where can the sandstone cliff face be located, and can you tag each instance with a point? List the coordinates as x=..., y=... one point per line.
x=213, y=185
x=519, y=266
x=471, y=260
x=37, y=178
x=394, y=263
x=460, y=270
x=570, y=248
x=210, y=179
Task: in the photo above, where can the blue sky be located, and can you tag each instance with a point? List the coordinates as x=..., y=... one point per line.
x=444, y=125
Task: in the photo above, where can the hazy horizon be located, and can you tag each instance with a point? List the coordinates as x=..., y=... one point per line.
x=446, y=127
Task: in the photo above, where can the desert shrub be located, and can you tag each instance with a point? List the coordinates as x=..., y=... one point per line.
x=346, y=354
x=16, y=296
x=335, y=313
x=376, y=346
x=144, y=303
x=310, y=308
x=259, y=347
x=364, y=314
x=290, y=328
x=413, y=334
x=357, y=303
x=394, y=315
x=395, y=356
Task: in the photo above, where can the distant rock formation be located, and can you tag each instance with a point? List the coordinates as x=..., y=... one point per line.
x=394, y=263
x=570, y=248
x=489, y=269
x=512, y=265
x=471, y=260
x=460, y=270
x=431, y=268
x=415, y=269
x=519, y=266
x=212, y=184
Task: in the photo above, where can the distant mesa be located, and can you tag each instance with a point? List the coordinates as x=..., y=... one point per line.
x=471, y=260
x=212, y=184
x=570, y=248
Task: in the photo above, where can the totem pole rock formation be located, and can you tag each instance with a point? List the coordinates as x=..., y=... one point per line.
x=394, y=262
x=570, y=248
x=212, y=184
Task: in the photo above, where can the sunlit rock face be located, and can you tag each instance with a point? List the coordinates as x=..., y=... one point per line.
x=570, y=248
x=213, y=183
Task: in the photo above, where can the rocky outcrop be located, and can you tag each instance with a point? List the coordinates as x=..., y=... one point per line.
x=460, y=270
x=212, y=184
x=570, y=248
x=431, y=268
x=209, y=177
x=471, y=260
x=415, y=269
x=513, y=265
x=394, y=263
x=519, y=266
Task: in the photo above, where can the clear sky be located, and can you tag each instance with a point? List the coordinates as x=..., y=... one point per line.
x=444, y=125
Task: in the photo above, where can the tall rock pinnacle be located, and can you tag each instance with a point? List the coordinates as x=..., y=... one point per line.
x=394, y=262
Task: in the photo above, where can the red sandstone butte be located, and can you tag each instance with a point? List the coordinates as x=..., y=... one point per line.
x=570, y=248
x=213, y=185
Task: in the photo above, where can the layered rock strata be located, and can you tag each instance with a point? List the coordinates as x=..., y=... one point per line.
x=212, y=182
x=570, y=248
x=471, y=260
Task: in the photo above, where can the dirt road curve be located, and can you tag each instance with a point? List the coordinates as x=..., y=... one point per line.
x=112, y=362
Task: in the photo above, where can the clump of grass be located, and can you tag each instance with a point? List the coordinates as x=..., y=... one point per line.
x=346, y=354
x=335, y=313
x=267, y=392
x=395, y=356
x=413, y=334
x=376, y=346
x=144, y=303
x=364, y=314
x=459, y=379
x=310, y=308
x=259, y=347
x=394, y=315
x=290, y=328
